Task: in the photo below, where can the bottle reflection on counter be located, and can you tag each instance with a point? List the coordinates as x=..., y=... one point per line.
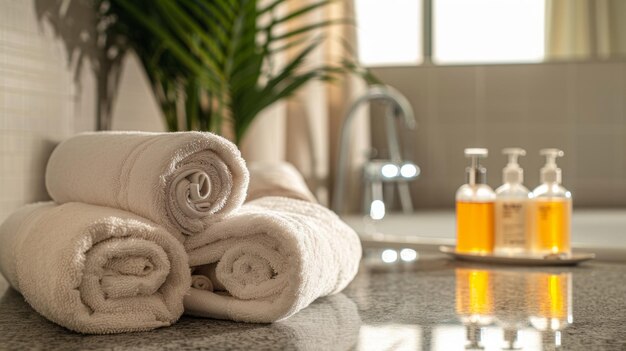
x=510, y=306
x=474, y=304
x=513, y=300
x=552, y=311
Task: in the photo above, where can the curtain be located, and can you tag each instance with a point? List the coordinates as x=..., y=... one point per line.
x=582, y=29
x=567, y=29
x=305, y=130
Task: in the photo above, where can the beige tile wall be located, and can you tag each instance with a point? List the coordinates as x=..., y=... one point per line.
x=579, y=107
x=135, y=106
x=41, y=103
x=38, y=103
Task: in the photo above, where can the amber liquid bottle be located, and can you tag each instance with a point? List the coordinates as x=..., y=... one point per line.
x=475, y=209
x=551, y=211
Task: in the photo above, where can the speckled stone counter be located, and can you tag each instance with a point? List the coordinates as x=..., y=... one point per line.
x=432, y=304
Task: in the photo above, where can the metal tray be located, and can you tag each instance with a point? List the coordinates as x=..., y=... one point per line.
x=571, y=260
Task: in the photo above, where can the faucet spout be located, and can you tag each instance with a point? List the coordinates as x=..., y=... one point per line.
x=401, y=103
x=399, y=106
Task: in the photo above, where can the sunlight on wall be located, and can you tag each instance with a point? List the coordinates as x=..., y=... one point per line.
x=389, y=32
x=488, y=31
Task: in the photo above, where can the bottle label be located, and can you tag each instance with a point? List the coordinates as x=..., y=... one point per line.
x=511, y=224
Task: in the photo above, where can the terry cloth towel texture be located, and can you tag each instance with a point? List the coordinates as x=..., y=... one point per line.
x=277, y=179
x=183, y=181
x=269, y=260
x=94, y=269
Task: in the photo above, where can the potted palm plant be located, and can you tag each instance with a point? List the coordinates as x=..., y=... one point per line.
x=210, y=62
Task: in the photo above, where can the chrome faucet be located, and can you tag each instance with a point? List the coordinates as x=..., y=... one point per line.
x=376, y=172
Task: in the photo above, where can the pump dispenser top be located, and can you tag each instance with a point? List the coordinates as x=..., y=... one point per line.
x=475, y=173
x=513, y=173
x=550, y=173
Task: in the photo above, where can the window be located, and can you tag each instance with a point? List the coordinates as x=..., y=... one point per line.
x=488, y=31
x=389, y=32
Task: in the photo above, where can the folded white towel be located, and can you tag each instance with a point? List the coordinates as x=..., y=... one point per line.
x=277, y=179
x=272, y=258
x=94, y=269
x=183, y=181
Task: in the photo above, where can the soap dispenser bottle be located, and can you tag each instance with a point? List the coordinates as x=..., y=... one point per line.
x=551, y=210
x=474, y=208
x=511, y=208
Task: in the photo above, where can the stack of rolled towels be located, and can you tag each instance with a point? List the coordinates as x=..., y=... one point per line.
x=146, y=226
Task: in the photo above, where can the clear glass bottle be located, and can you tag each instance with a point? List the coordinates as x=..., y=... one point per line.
x=474, y=208
x=511, y=208
x=551, y=210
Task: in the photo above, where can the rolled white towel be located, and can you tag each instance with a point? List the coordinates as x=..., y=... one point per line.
x=274, y=257
x=94, y=269
x=277, y=179
x=183, y=181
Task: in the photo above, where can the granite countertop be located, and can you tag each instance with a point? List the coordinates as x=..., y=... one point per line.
x=431, y=304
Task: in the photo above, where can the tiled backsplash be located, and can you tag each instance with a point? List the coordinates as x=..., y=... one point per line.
x=578, y=107
x=41, y=103
x=38, y=103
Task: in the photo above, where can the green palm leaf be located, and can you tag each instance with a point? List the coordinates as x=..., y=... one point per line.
x=217, y=55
